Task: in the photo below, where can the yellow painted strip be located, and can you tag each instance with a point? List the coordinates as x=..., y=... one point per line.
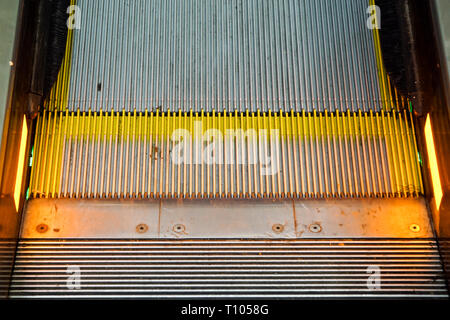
x=150, y=155
x=387, y=140
x=406, y=152
x=59, y=186
x=70, y=130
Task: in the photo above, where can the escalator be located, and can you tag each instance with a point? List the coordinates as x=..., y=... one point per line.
x=244, y=148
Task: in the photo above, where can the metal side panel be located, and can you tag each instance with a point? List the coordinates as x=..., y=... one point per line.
x=248, y=268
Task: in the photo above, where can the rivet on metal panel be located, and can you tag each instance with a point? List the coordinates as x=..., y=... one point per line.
x=179, y=228
x=142, y=228
x=42, y=228
x=278, y=228
x=414, y=227
x=315, y=228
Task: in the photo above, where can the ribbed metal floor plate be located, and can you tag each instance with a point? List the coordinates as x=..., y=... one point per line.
x=228, y=268
x=223, y=55
x=139, y=78
x=251, y=155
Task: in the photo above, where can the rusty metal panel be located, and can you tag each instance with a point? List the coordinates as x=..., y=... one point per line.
x=92, y=219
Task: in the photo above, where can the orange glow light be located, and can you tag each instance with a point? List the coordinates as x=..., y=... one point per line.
x=435, y=178
x=19, y=175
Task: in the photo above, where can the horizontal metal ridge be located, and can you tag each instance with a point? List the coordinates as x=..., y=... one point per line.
x=228, y=268
x=122, y=155
x=222, y=55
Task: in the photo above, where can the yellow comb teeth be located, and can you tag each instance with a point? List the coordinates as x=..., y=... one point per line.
x=252, y=154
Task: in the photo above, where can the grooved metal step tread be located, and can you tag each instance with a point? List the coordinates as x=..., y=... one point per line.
x=320, y=268
x=224, y=55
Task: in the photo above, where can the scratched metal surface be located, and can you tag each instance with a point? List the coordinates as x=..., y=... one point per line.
x=339, y=268
x=222, y=55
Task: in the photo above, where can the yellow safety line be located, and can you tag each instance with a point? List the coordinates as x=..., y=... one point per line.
x=316, y=131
